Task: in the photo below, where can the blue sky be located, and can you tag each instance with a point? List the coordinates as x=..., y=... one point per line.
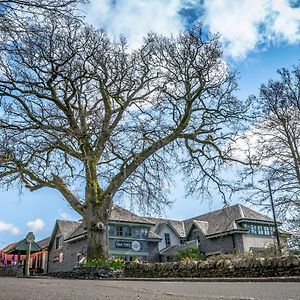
x=259, y=36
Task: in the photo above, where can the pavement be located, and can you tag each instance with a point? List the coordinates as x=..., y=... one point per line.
x=61, y=289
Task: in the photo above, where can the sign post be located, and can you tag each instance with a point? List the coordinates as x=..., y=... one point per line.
x=29, y=239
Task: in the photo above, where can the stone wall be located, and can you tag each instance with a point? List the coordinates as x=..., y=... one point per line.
x=89, y=273
x=11, y=271
x=224, y=267
x=224, y=244
x=65, y=258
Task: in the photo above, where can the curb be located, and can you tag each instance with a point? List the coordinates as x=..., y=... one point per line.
x=215, y=279
x=178, y=279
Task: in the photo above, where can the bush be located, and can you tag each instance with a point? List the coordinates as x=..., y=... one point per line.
x=190, y=254
x=116, y=263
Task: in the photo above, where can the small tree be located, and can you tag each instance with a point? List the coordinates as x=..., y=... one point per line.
x=190, y=254
x=278, y=144
x=85, y=116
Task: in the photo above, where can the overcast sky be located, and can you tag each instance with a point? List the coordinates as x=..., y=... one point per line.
x=259, y=36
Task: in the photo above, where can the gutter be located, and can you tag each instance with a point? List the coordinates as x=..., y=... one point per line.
x=215, y=235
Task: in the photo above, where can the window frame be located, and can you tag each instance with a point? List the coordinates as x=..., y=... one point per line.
x=58, y=242
x=167, y=239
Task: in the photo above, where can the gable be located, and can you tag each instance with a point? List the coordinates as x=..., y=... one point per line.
x=167, y=228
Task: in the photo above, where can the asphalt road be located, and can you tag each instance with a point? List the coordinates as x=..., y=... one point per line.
x=61, y=289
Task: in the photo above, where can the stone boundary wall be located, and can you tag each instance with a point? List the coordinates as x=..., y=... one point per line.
x=212, y=268
x=88, y=273
x=11, y=271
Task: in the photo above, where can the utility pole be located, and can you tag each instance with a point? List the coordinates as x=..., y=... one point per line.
x=275, y=220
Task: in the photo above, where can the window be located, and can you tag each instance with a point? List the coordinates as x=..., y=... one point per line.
x=144, y=232
x=119, y=231
x=167, y=239
x=258, y=229
x=58, y=242
x=111, y=230
x=127, y=231
x=267, y=230
x=136, y=232
x=253, y=229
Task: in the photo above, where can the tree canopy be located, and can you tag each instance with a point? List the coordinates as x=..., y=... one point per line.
x=86, y=116
x=277, y=148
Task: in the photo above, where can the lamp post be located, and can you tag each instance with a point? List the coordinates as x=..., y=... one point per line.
x=275, y=220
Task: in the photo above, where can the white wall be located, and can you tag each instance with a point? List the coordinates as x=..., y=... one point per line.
x=250, y=241
x=174, y=239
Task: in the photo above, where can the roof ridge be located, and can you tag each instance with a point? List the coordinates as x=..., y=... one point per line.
x=214, y=211
x=157, y=218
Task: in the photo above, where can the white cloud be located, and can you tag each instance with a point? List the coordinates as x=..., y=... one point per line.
x=244, y=24
x=134, y=19
x=9, y=227
x=63, y=215
x=35, y=225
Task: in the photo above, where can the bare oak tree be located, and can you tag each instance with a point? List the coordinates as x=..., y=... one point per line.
x=278, y=146
x=85, y=116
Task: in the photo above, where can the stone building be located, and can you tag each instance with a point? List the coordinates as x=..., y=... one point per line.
x=130, y=236
x=233, y=228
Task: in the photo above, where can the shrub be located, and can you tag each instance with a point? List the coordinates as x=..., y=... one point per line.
x=96, y=263
x=112, y=263
x=116, y=263
x=190, y=254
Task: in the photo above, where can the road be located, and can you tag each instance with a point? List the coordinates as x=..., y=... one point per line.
x=61, y=289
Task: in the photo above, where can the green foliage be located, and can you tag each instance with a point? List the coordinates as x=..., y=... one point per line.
x=116, y=263
x=190, y=254
x=95, y=263
x=112, y=263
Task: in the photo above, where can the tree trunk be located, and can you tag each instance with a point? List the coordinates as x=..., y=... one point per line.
x=97, y=213
x=96, y=219
x=97, y=239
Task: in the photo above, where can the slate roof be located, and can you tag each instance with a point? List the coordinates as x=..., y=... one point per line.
x=248, y=213
x=80, y=230
x=9, y=247
x=173, y=250
x=66, y=227
x=153, y=236
x=44, y=243
x=212, y=223
x=224, y=220
x=21, y=247
x=215, y=222
x=177, y=225
x=120, y=214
